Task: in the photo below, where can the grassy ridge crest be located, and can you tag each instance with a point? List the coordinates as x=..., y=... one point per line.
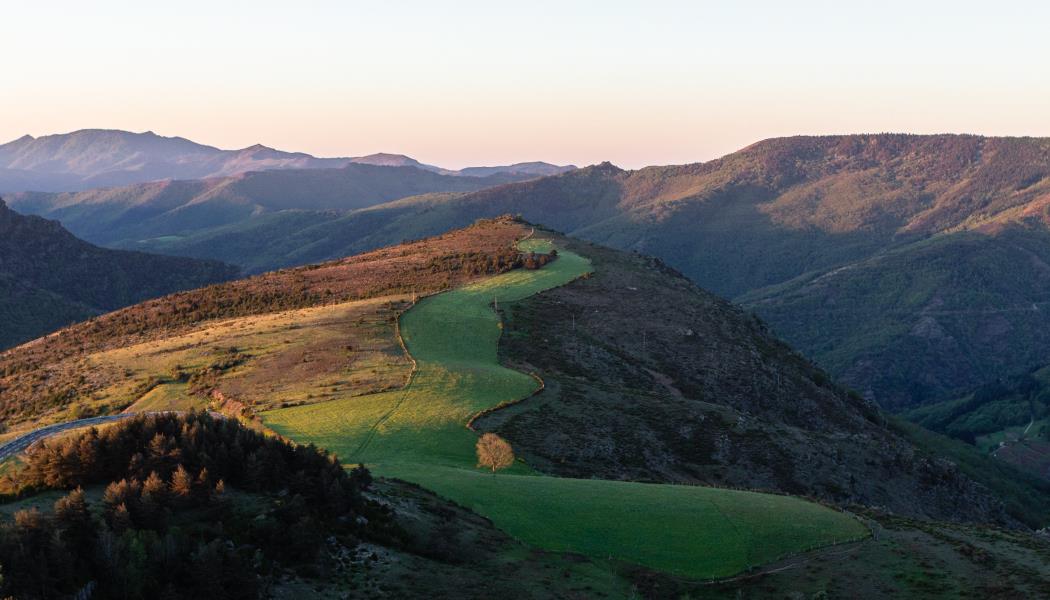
x=419, y=434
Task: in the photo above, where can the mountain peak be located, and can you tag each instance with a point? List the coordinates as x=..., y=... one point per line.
x=604, y=167
x=258, y=148
x=387, y=159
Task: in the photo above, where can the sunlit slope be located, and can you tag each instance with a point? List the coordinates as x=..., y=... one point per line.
x=453, y=337
x=420, y=434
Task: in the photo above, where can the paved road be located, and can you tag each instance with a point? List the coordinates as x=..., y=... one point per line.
x=24, y=441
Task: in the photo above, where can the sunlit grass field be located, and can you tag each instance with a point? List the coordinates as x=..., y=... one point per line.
x=453, y=337
x=420, y=434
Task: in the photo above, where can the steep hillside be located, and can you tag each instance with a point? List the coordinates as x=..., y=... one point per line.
x=50, y=278
x=729, y=404
x=650, y=378
x=93, y=158
x=1008, y=419
x=150, y=215
x=882, y=257
x=924, y=321
x=48, y=378
x=647, y=381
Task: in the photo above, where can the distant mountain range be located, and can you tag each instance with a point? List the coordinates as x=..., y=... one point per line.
x=161, y=211
x=49, y=279
x=912, y=267
x=94, y=158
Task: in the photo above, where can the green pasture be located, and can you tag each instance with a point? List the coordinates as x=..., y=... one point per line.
x=453, y=337
x=691, y=531
x=419, y=434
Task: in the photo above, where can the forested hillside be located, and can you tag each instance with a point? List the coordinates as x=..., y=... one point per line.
x=50, y=278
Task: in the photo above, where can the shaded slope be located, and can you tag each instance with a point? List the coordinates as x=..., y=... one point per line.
x=926, y=321
x=649, y=378
x=1008, y=420
x=50, y=278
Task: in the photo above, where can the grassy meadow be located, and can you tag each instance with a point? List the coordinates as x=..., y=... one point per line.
x=419, y=434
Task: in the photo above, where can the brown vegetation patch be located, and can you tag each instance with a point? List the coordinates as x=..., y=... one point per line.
x=51, y=373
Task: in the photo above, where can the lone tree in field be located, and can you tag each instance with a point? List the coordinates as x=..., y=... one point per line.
x=494, y=452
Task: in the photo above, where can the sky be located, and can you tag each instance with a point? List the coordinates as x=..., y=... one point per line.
x=473, y=83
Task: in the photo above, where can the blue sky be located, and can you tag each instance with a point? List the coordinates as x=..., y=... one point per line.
x=463, y=83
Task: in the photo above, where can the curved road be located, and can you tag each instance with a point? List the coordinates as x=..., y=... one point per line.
x=26, y=440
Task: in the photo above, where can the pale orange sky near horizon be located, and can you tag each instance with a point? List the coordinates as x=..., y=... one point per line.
x=490, y=83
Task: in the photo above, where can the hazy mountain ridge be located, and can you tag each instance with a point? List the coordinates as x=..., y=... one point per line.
x=124, y=215
x=94, y=158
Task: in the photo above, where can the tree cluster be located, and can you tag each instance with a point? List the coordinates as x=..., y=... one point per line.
x=532, y=260
x=192, y=505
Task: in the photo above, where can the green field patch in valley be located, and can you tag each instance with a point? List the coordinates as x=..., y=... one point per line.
x=419, y=434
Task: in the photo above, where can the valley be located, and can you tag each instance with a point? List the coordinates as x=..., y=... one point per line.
x=49, y=279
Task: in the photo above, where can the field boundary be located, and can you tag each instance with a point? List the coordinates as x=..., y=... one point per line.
x=721, y=523
x=488, y=411
x=404, y=388
x=542, y=385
